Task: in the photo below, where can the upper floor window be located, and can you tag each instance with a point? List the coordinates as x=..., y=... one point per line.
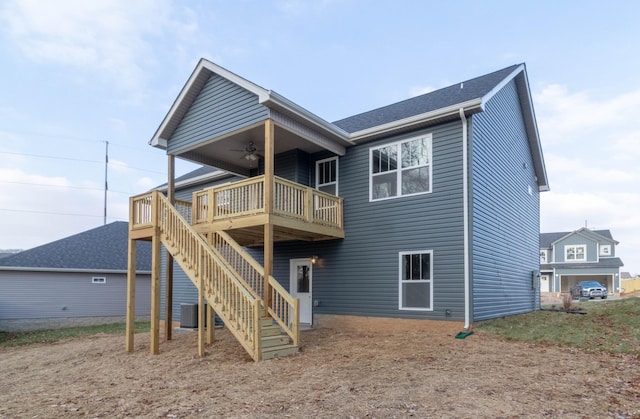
x=400, y=169
x=605, y=250
x=575, y=253
x=544, y=256
x=327, y=175
x=99, y=280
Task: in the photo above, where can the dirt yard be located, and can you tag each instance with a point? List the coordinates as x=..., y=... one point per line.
x=337, y=374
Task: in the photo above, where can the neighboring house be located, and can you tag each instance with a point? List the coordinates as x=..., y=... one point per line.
x=424, y=209
x=582, y=255
x=72, y=281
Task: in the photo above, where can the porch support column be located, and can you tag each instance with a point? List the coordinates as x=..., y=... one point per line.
x=201, y=315
x=155, y=292
x=131, y=295
x=168, y=302
x=268, y=207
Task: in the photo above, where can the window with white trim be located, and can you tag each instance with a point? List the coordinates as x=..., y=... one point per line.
x=415, y=282
x=544, y=255
x=400, y=169
x=99, y=280
x=575, y=253
x=327, y=175
x=605, y=250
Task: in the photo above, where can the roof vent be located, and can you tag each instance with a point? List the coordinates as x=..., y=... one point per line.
x=462, y=85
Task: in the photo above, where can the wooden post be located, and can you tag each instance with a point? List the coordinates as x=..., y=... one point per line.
x=131, y=294
x=211, y=324
x=168, y=300
x=201, y=314
x=268, y=209
x=155, y=292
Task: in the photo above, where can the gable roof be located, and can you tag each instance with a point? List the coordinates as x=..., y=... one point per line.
x=102, y=249
x=442, y=105
x=549, y=239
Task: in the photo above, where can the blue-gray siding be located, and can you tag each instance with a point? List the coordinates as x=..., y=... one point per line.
x=359, y=275
x=38, y=295
x=505, y=217
x=220, y=108
x=576, y=239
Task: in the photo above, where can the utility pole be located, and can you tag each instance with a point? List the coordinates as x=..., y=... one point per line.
x=106, y=186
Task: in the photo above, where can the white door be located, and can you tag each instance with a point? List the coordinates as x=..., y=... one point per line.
x=544, y=283
x=300, y=281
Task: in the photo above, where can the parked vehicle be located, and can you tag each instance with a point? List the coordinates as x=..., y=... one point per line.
x=589, y=289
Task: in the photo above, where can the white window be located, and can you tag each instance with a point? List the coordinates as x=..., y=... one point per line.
x=400, y=169
x=99, y=280
x=544, y=256
x=327, y=175
x=416, y=283
x=576, y=253
x=605, y=250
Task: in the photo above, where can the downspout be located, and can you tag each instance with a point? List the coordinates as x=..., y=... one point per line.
x=465, y=209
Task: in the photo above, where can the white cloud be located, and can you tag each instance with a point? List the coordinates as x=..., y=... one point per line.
x=146, y=183
x=564, y=116
x=591, y=147
x=109, y=39
x=420, y=90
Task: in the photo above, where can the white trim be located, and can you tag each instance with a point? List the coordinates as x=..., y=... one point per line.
x=546, y=256
x=576, y=247
x=400, y=169
x=318, y=162
x=416, y=119
x=500, y=85
x=294, y=286
x=601, y=247
x=465, y=222
x=422, y=281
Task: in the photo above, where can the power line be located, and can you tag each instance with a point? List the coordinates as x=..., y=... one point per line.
x=49, y=157
x=72, y=138
x=66, y=186
x=58, y=213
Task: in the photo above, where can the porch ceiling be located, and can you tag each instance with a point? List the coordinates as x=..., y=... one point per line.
x=228, y=153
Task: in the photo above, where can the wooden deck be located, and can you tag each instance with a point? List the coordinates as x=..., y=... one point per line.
x=299, y=212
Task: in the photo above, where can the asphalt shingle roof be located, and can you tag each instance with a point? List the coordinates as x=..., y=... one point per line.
x=547, y=238
x=102, y=248
x=438, y=99
x=603, y=263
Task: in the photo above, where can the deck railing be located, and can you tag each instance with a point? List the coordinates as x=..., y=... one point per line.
x=246, y=197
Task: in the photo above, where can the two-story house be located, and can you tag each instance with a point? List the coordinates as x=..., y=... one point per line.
x=582, y=255
x=425, y=209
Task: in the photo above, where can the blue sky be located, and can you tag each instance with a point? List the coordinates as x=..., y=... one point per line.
x=76, y=74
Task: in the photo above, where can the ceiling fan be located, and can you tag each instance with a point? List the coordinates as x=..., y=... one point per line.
x=250, y=152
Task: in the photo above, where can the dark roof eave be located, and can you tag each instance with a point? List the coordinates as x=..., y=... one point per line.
x=424, y=119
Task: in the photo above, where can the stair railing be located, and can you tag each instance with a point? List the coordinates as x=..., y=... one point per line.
x=227, y=294
x=284, y=308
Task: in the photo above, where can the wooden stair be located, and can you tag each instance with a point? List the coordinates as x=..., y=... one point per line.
x=274, y=342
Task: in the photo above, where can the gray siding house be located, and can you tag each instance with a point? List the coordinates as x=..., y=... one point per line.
x=79, y=279
x=439, y=194
x=582, y=255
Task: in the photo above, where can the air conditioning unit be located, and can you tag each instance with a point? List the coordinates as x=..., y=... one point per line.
x=189, y=316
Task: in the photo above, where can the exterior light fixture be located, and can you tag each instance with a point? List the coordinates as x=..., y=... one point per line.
x=314, y=259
